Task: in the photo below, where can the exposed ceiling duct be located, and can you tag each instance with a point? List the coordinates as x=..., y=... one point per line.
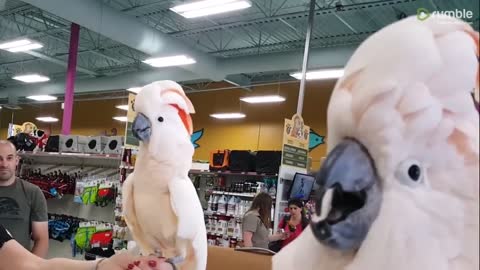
x=98, y=17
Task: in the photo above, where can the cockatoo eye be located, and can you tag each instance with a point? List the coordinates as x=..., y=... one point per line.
x=410, y=173
x=160, y=119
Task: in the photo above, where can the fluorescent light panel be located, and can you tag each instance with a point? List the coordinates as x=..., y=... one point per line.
x=210, y=7
x=169, y=61
x=26, y=47
x=263, y=99
x=120, y=118
x=122, y=107
x=20, y=45
x=31, y=78
x=228, y=115
x=16, y=43
x=47, y=119
x=320, y=74
x=134, y=89
x=42, y=98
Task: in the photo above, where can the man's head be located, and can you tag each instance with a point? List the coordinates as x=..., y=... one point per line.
x=8, y=161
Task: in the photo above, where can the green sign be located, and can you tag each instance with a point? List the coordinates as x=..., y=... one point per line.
x=294, y=156
x=423, y=14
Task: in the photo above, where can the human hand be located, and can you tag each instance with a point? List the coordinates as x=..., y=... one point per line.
x=126, y=261
x=281, y=236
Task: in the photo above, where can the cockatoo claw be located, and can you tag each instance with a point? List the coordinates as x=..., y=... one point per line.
x=176, y=260
x=157, y=253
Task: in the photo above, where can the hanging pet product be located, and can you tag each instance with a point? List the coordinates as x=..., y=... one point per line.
x=106, y=193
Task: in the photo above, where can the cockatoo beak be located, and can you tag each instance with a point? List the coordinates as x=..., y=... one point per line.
x=349, y=197
x=142, y=128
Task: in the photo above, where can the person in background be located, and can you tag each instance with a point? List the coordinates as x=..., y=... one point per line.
x=257, y=222
x=14, y=256
x=23, y=207
x=295, y=223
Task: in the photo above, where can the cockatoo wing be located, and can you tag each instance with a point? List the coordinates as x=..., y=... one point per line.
x=130, y=216
x=191, y=222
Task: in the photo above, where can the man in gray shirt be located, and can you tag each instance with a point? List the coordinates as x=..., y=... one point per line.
x=23, y=208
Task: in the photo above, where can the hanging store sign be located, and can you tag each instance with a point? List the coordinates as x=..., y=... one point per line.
x=295, y=142
x=130, y=140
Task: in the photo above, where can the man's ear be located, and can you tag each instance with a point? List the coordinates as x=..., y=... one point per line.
x=17, y=160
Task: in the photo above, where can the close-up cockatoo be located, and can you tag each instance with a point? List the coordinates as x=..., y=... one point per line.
x=161, y=205
x=399, y=189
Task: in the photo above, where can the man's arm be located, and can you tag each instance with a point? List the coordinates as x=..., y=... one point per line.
x=40, y=239
x=39, y=219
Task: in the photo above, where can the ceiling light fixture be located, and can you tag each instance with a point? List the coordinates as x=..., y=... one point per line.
x=20, y=45
x=323, y=74
x=48, y=119
x=169, y=61
x=31, y=78
x=228, y=115
x=209, y=7
x=42, y=98
x=122, y=107
x=134, y=89
x=120, y=118
x=263, y=99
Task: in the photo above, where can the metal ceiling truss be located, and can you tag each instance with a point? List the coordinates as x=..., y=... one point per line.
x=275, y=32
x=94, y=58
x=256, y=45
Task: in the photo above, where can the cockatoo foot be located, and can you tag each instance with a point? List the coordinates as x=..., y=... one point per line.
x=176, y=260
x=157, y=253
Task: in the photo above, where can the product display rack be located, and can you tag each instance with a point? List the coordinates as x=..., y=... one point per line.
x=95, y=165
x=224, y=226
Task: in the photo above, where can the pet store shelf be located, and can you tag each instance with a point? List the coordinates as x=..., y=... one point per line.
x=226, y=173
x=248, y=195
x=72, y=158
x=207, y=213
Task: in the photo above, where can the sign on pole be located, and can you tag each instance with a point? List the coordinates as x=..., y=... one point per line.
x=295, y=142
x=130, y=140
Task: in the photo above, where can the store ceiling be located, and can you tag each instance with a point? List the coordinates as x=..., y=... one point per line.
x=260, y=44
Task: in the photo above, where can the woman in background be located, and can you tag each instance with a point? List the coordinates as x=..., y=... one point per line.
x=295, y=223
x=257, y=222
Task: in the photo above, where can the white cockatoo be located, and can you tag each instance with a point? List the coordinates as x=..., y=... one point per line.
x=399, y=189
x=161, y=205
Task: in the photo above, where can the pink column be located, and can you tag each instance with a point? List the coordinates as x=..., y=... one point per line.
x=70, y=84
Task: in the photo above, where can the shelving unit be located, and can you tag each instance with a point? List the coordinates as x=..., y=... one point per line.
x=71, y=159
x=103, y=165
x=224, y=229
x=227, y=173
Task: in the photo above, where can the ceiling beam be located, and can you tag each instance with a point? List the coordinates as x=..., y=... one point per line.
x=50, y=33
x=100, y=18
x=60, y=62
x=286, y=62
